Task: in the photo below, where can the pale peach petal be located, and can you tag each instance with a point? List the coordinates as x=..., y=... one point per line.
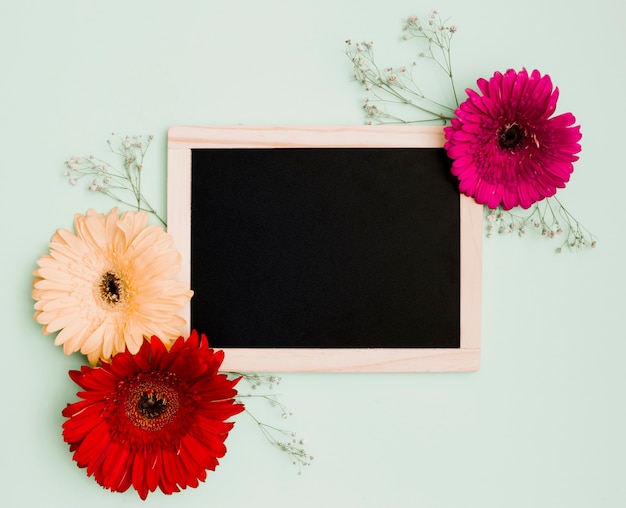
x=56, y=274
x=72, y=336
x=90, y=230
x=44, y=294
x=93, y=357
x=94, y=341
x=118, y=342
x=133, y=335
x=64, y=254
x=62, y=320
x=66, y=241
x=132, y=224
x=106, y=330
x=61, y=304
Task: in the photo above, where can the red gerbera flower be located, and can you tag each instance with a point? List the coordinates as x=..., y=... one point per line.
x=152, y=419
x=506, y=149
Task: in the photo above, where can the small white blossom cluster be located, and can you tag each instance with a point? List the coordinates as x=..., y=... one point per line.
x=547, y=217
x=436, y=30
x=284, y=440
x=123, y=184
x=397, y=85
x=259, y=380
x=293, y=446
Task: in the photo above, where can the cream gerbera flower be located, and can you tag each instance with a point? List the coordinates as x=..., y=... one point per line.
x=109, y=285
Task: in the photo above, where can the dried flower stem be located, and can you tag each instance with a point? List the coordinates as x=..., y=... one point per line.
x=439, y=36
x=122, y=185
x=549, y=217
x=398, y=85
x=284, y=440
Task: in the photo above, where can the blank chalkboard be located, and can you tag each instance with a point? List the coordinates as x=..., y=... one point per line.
x=326, y=248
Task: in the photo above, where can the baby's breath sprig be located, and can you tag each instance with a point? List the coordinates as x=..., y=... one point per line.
x=548, y=217
x=284, y=440
x=438, y=35
x=122, y=184
x=259, y=380
x=287, y=442
x=398, y=85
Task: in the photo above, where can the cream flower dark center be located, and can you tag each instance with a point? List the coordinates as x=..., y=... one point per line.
x=510, y=136
x=112, y=288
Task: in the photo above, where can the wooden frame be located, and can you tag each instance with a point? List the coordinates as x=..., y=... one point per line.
x=182, y=140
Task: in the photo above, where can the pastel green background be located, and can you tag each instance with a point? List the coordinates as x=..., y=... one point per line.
x=540, y=425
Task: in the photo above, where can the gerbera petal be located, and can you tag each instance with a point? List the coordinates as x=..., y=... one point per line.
x=138, y=475
x=153, y=470
x=170, y=475
x=93, y=342
x=73, y=334
x=115, y=466
x=89, y=228
x=93, y=448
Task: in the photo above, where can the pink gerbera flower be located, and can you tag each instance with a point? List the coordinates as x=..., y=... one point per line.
x=506, y=148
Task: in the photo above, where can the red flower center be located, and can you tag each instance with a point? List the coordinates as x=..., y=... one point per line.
x=510, y=136
x=152, y=400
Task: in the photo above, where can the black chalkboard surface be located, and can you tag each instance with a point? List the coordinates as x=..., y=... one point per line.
x=327, y=247
x=299, y=247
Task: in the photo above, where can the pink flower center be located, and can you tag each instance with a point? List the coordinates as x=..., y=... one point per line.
x=510, y=136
